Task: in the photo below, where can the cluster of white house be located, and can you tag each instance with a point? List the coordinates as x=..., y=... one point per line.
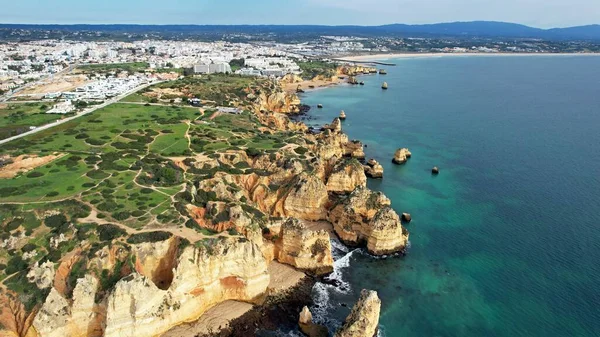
x=102, y=89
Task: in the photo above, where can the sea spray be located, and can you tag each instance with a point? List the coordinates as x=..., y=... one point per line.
x=332, y=284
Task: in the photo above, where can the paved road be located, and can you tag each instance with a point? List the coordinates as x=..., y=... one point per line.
x=85, y=112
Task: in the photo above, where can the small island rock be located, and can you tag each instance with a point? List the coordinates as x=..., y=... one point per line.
x=363, y=320
x=435, y=170
x=401, y=156
x=406, y=217
x=342, y=115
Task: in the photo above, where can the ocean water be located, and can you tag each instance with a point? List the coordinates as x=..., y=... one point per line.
x=506, y=240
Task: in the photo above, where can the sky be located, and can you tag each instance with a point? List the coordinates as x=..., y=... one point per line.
x=536, y=13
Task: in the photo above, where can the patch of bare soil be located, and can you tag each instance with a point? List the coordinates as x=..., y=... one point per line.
x=24, y=163
x=60, y=84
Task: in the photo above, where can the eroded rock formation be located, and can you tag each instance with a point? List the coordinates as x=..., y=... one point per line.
x=401, y=156
x=363, y=320
x=366, y=218
x=304, y=249
x=205, y=276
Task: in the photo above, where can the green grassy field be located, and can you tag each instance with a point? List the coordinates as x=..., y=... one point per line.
x=311, y=69
x=172, y=144
x=16, y=118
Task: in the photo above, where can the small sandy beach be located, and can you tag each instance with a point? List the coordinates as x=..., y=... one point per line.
x=283, y=278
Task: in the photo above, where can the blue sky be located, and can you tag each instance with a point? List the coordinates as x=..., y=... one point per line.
x=538, y=13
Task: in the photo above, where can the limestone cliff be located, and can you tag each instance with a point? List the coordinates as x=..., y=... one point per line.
x=346, y=176
x=355, y=70
x=363, y=320
x=305, y=249
x=307, y=198
x=81, y=317
x=278, y=101
x=290, y=79
x=366, y=218
x=204, y=276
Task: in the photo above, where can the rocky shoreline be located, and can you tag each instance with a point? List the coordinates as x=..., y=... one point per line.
x=261, y=208
x=278, y=312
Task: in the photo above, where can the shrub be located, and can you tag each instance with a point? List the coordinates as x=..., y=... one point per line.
x=35, y=174
x=148, y=237
x=110, y=232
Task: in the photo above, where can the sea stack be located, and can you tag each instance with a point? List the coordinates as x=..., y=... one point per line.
x=406, y=217
x=342, y=115
x=335, y=126
x=308, y=327
x=384, y=86
x=320, y=106
x=373, y=169
x=435, y=170
x=401, y=156
x=382, y=72
x=363, y=320
x=299, y=89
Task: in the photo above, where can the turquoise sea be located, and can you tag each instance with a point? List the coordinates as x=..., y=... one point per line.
x=506, y=240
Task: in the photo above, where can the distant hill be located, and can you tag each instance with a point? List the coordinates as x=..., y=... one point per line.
x=474, y=29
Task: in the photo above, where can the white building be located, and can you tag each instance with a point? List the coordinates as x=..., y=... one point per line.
x=61, y=108
x=213, y=68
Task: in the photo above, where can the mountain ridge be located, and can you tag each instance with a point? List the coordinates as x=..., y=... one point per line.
x=468, y=29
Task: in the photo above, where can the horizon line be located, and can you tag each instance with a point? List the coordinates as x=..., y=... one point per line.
x=291, y=25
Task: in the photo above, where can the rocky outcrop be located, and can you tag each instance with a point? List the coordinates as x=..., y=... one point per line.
x=42, y=274
x=435, y=170
x=401, y=156
x=280, y=102
x=306, y=198
x=386, y=233
x=373, y=169
x=331, y=144
x=82, y=317
x=363, y=320
x=290, y=79
x=157, y=261
x=346, y=176
x=309, y=328
x=355, y=149
x=366, y=218
x=355, y=70
x=305, y=249
x=305, y=316
x=205, y=275
x=342, y=115
x=406, y=217
x=335, y=126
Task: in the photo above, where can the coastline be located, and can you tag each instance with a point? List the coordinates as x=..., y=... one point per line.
x=379, y=57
